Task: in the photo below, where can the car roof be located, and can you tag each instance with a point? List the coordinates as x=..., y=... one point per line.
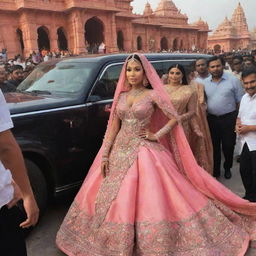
x=121, y=57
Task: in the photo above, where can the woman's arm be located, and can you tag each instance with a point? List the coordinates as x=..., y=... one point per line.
x=169, y=112
x=191, y=108
x=108, y=142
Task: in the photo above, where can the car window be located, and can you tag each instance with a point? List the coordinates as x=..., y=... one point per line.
x=106, y=86
x=61, y=77
x=158, y=67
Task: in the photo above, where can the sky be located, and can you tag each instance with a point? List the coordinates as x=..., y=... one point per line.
x=212, y=11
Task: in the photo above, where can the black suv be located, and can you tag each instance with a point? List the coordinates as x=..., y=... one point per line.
x=60, y=115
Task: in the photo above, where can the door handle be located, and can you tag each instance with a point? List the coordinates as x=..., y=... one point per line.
x=107, y=108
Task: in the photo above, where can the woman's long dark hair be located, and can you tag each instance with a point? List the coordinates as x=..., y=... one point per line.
x=182, y=69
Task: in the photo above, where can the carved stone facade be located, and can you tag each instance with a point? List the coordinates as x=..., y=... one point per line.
x=31, y=25
x=231, y=34
x=253, y=39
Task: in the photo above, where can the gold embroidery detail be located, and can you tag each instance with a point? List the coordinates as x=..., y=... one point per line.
x=210, y=232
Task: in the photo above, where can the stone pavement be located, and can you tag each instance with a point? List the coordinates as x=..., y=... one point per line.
x=41, y=241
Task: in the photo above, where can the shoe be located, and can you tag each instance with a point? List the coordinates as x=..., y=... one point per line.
x=245, y=198
x=216, y=174
x=238, y=159
x=227, y=174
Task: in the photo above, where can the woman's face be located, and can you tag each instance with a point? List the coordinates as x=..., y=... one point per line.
x=134, y=73
x=175, y=75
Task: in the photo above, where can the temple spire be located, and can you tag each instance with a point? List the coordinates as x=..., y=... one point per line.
x=239, y=20
x=166, y=8
x=148, y=10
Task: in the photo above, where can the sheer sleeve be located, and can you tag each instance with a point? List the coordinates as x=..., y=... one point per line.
x=166, y=108
x=192, y=114
x=168, y=111
x=191, y=108
x=110, y=137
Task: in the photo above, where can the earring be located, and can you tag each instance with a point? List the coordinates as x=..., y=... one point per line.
x=145, y=82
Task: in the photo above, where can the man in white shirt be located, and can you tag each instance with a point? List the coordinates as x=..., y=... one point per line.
x=246, y=129
x=14, y=185
x=202, y=70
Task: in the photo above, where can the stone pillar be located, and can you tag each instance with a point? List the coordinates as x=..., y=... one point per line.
x=10, y=40
x=53, y=39
x=78, y=33
x=30, y=37
x=110, y=35
x=158, y=41
x=29, y=32
x=128, y=37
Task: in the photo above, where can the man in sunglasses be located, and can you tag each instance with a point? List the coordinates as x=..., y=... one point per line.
x=246, y=129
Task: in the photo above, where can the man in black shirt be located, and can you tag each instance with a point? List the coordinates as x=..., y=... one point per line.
x=16, y=76
x=3, y=83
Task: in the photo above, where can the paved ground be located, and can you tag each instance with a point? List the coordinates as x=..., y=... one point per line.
x=41, y=241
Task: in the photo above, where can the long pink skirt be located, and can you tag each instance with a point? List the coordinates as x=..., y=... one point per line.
x=156, y=212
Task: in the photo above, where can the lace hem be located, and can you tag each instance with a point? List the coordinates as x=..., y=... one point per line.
x=210, y=232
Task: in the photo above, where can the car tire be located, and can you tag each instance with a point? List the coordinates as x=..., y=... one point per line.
x=38, y=184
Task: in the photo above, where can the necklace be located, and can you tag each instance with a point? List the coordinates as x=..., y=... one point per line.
x=173, y=88
x=135, y=93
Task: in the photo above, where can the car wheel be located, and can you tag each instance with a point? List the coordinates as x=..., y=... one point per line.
x=38, y=184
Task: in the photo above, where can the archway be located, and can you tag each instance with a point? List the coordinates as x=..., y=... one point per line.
x=139, y=43
x=175, y=44
x=94, y=34
x=43, y=38
x=62, y=40
x=120, y=40
x=217, y=48
x=164, y=44
x=20, y=39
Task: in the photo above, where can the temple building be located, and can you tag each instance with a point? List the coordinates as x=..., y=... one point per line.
x=32, y=25
x=232, y=34
x=253, y=39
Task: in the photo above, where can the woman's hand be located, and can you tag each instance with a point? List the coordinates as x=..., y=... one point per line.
x=147, y=135
x=104, y=168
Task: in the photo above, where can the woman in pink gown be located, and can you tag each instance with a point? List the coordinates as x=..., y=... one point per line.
x=145, y=196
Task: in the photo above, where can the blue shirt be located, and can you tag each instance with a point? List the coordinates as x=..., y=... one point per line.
x=223, y=96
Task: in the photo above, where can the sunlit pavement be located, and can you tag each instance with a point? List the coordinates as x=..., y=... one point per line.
x=41, y=241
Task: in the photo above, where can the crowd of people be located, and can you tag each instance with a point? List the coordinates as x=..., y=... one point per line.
x=165, y=135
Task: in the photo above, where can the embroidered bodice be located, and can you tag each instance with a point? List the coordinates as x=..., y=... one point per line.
x=182, y=98
x=135, y=117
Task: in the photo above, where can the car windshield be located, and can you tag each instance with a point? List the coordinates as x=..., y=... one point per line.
x=58, y=78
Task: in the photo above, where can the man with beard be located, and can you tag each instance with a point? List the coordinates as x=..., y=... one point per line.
x=224, y=92
x=202, y=70
x=16, y=76
x=246, y=129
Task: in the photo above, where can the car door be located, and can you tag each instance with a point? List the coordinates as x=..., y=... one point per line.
x=100, y=101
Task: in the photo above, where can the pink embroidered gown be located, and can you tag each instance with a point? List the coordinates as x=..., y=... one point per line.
x=146, y=206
